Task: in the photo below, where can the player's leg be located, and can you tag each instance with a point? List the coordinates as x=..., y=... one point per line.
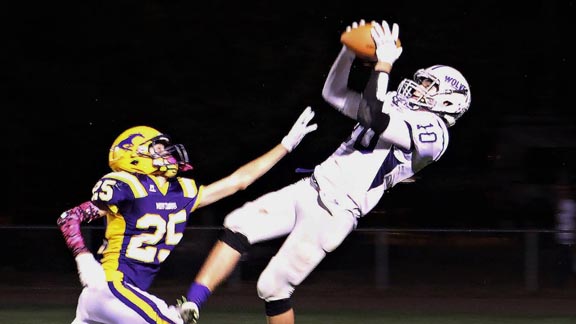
x=284, y=318
x=82, y=315
x=316, y=233
x=120, y=303
x=270, y=216
x=220, y=262
x=298, y=256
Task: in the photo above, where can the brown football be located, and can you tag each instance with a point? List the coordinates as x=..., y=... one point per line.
x=359, y=40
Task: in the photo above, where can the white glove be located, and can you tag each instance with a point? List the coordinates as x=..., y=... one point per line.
x=90, y=271
x=299, y=130
x=385, y=40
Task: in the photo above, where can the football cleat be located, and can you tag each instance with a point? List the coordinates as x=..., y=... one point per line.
x=189, y=311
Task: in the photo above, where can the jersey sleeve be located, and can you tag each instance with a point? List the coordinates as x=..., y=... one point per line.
x=429, y=137
x=115, y=188
x=191, y=190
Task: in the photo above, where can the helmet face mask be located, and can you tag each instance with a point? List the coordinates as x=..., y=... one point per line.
x=145, y=150
x=440, y=89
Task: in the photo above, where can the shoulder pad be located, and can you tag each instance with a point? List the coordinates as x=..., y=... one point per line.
x=189, y=187
x=131, y=180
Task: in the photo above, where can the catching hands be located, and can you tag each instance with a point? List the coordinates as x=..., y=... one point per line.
x=385, y=40
x=299, y=130
x=90, y=271
x=355, y=24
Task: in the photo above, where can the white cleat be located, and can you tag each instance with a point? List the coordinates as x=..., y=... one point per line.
x=189, y=312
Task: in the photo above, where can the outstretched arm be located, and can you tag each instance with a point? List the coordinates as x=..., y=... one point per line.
x=370, y=113
x=387, y=52
x=251, y=171
x=366, y=108
x=335, y=90
x=392, y=128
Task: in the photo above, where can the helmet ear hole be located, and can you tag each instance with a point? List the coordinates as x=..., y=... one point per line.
x=450, y=120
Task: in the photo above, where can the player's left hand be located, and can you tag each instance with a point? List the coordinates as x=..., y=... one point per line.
x=385, y=40
x=299, y=129
x=90, y=271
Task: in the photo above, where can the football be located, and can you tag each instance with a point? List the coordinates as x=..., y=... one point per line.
x=359, y=40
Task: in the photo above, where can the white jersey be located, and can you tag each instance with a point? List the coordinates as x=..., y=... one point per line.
x=356, y=175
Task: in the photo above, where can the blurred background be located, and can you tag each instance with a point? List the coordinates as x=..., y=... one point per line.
x=228, y=78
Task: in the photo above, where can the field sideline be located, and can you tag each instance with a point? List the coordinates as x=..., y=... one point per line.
x=59, y=315
x=27, y=298
x=315, y=304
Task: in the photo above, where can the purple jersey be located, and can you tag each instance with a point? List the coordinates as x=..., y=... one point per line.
x=146, y=222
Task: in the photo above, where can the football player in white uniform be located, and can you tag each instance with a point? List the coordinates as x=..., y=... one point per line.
x=398, y=133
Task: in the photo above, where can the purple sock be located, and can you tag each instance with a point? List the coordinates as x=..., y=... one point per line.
x=198, y=294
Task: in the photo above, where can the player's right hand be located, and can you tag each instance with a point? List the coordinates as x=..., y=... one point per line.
x=299, y=130
x=90, y=271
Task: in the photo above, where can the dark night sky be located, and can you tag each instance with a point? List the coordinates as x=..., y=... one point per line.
x=228, y=78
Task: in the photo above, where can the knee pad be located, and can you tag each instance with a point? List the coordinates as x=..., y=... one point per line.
x=273, y=284
x=287, y=270
x=277, y=307
x=237, y=241
x=239, y=218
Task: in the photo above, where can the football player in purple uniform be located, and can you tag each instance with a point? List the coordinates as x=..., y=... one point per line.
x=398, y=133
x=146, y=205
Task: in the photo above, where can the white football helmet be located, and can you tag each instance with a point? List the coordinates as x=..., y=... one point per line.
x=447, y=94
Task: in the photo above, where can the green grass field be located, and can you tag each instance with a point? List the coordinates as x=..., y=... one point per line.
x=30, y=299
x=60, y=315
